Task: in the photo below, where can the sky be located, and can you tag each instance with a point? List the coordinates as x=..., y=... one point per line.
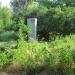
x=5, y=3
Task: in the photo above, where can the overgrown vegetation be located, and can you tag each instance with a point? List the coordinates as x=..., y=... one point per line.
x=50, y=55
x=56, y=26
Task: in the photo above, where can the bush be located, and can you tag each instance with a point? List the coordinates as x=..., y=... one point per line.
x=8, y=36
x=65, y=47
x=30, y=55
x=5, y=57
x=5, y=18
x=64, y=42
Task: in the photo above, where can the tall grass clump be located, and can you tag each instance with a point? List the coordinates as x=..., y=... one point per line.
x=57, y=55
x=30, y=54
x=62, y=42
x=65, y=50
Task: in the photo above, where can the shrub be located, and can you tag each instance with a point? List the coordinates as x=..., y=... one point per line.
x=8, y=36
x=64, y=42
x=5, y=18
x=65, y=47
x=30, y=55
x=5, y=58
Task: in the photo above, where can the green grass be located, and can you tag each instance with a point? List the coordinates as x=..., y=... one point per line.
x=37, y=54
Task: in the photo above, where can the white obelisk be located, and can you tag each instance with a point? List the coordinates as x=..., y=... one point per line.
x=32, y=22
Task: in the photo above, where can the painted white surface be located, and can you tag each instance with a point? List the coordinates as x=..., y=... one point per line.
x=32, y=22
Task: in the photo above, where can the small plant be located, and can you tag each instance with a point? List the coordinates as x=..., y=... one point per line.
x=5, y=58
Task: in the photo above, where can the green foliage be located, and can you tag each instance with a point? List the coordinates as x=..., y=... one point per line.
x=65, y=56
x=66, y=2
x=35, y=9
x=5, y=57
x=34, y=56
x=5, y=18
x=64, y=42
x=65, y=46
x=57, y=20
x=53, y=15
x=31, y=55
x=23, y=29
x=53, y=19
x=8, y=36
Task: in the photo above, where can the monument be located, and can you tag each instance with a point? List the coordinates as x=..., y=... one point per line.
x=32, y=22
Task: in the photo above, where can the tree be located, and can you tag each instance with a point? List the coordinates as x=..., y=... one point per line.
x=54, y=16
x=19, y=5
x=66, y=2
x=5, y=18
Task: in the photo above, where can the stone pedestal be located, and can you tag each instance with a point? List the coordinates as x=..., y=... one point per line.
x=32, y=22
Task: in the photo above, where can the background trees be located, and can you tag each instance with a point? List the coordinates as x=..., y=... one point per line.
x=54, y=17
x=5, y=18
x=6, y=24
